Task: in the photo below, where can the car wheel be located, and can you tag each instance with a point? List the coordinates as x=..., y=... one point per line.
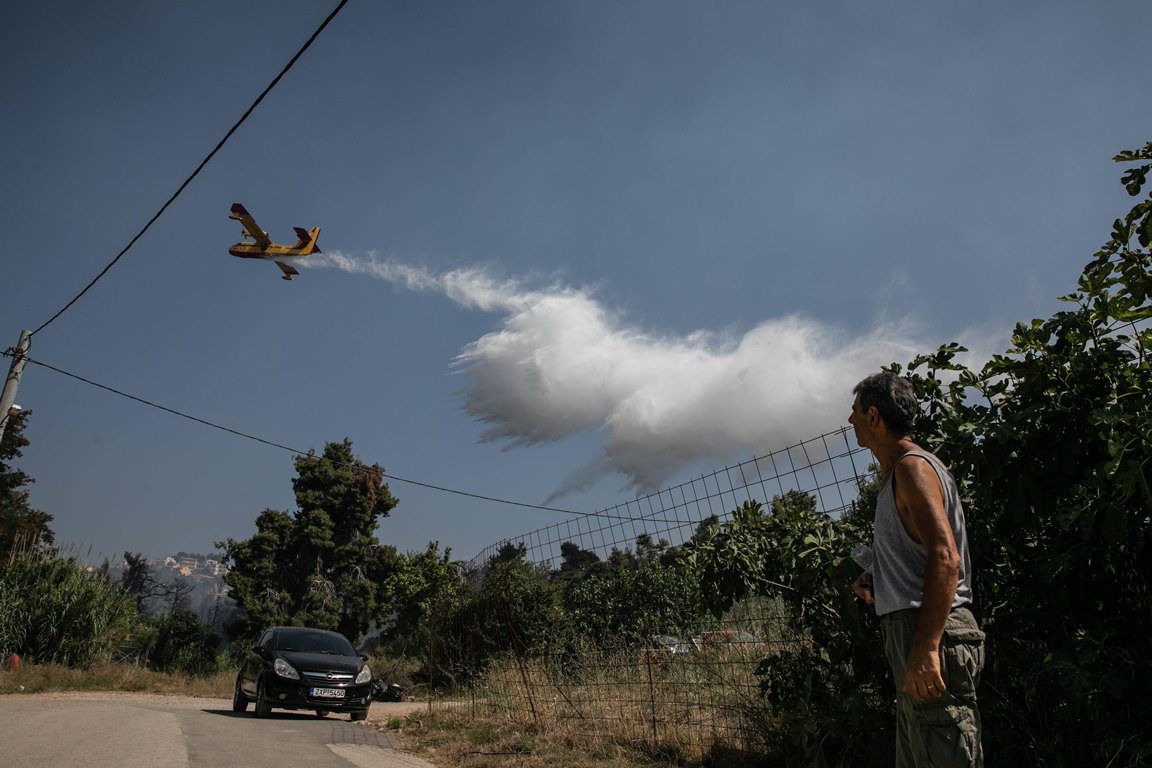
x=263, y=707
x=239, y=700
x=361, y=715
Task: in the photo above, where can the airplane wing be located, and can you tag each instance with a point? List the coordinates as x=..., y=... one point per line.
x=289, y=270
x=240, y=213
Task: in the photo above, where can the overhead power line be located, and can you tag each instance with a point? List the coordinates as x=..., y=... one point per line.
x=199, y=168
x=157, y=215
x=299, y=452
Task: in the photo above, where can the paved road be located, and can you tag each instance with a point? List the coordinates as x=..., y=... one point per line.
x=151, y=731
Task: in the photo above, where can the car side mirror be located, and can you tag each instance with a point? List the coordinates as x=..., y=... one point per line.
x=363, y=658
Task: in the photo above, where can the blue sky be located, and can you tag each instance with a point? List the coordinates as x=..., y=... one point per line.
x=573, y=251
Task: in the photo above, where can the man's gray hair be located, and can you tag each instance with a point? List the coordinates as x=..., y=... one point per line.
x=893, y=398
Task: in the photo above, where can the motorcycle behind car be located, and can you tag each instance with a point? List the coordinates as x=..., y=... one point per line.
x=382, y=691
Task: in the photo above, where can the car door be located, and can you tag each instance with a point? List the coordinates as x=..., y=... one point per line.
x=254, y=665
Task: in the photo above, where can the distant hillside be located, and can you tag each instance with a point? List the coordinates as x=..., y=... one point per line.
x=200, y=579
x=189, y=565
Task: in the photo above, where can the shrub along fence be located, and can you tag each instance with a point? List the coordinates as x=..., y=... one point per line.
x=603, y=623
x=1051, y=445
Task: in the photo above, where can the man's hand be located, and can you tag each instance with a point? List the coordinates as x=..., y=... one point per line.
x=922, y=678
x=863, y=588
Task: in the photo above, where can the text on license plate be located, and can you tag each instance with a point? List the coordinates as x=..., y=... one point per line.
x=328, y=693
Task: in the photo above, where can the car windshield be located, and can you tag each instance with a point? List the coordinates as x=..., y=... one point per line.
x=309, y=641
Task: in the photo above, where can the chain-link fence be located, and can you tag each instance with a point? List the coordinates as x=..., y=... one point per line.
x=590, y=624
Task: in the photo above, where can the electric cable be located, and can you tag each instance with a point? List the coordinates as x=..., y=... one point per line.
x=199, y=168
x=309, y=454
x=204, y=422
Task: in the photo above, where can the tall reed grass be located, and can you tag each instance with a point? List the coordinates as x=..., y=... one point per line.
x=54, y=610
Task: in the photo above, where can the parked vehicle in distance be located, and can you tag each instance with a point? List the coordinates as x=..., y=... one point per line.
x=669, y=644
x=304, y=668
x=658, y=650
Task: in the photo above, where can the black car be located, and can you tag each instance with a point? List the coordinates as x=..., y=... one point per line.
x=304, y=668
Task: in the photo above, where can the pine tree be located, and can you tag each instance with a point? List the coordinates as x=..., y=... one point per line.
x=22, y=529
x=321, y=566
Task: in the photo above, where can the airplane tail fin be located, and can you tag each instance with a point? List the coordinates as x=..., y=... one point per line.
x=304, y=238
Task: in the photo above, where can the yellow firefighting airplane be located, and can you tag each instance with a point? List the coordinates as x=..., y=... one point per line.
x=263, y=248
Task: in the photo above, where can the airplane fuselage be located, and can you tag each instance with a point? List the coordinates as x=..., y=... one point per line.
x=253, y=250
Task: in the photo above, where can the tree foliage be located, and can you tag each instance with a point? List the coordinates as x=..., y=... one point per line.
x=825, y=680
x=424, y=591
x=1052, y=443
x=509, y=607
x=630, y=596
x=22, y=528
x=623, y=607
x=181, y=643
x=321, y=566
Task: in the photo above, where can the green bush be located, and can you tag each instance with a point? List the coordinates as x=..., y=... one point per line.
x=53, y=611
x=1051, y=445
x=184, y=644
x=827, y=686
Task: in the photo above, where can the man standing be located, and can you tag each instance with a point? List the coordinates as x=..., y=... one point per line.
x=920, y=582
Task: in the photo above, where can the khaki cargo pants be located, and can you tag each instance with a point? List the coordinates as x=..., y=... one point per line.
x=946, y=732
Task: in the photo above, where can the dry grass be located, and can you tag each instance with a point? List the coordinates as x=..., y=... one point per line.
x=45, y=678
x=685, y=704
x=621, y=715
x=447, y=737
x=463, y=738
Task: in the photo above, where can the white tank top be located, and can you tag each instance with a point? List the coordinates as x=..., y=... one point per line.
x=898, y=561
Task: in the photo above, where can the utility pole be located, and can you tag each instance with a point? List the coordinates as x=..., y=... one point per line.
x=8, y=399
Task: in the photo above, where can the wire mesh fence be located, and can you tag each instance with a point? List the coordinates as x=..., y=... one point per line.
x=550, y=641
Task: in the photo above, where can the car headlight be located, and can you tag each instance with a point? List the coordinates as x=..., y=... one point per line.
x=364, y=676
x=284, y=669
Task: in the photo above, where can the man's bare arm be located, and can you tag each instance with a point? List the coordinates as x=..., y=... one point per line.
x=920, y=500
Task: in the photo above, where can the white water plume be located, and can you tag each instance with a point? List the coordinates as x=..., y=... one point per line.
x=560, y=363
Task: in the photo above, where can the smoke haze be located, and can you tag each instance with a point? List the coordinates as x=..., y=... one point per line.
x=560, y=363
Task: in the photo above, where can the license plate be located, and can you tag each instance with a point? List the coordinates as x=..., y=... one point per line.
x=327, y=693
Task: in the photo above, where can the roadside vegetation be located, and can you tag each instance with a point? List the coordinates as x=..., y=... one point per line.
x=111, y=676
x=547, y=663
x=451, y=738
x=1051, y=443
